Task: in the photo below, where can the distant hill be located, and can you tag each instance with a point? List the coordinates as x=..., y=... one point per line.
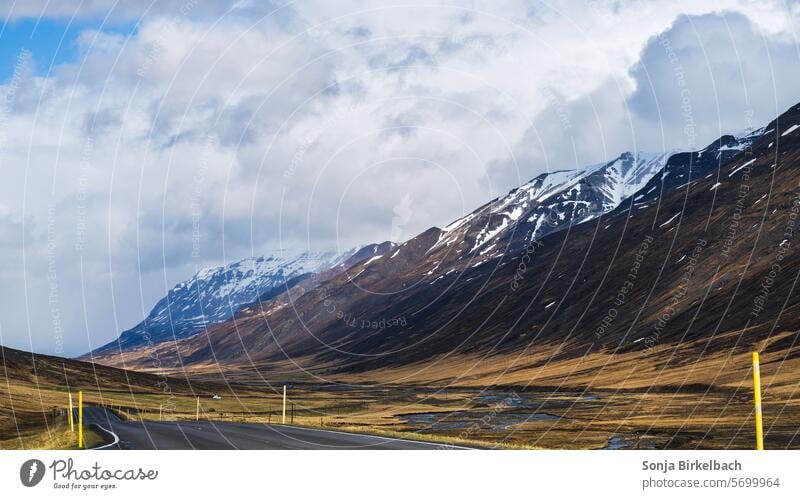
x=215, y=294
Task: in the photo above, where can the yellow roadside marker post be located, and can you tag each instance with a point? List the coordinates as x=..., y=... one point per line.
x=197, y=415
x=80, y=419
x=284, y=405
x=71, y=416
x=757, y=402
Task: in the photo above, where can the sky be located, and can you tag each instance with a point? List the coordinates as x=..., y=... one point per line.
x=143, y=141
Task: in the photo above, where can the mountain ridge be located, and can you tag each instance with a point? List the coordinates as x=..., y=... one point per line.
x=447, y=296
x=214, y=294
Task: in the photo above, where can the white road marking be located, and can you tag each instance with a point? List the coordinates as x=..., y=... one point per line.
x=115, y=442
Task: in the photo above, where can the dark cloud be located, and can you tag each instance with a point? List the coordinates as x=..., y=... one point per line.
x=703, y=77
x=715, y=73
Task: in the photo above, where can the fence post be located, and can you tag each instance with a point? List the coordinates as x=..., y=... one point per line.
x=757, y=402
x=80, y=419
x=71, y=416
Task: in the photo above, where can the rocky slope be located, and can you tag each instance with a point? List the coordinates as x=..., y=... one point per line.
x=215, y=294
x=681, y=262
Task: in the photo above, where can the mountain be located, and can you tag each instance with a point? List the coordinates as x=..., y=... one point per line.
x=215, y=294
x=548, y=203
x=614, y=296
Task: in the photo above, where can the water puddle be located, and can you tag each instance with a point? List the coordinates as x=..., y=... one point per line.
x=621, y=442
x=465, y=419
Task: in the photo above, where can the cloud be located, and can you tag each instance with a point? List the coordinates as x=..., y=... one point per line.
x=716, y=74
x=702, y=77
x=12, y=228
x=130, y=10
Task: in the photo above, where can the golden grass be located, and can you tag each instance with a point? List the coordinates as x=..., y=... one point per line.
x=57, y=437
x=664, y=365
x=637, y=399
x=664, y=396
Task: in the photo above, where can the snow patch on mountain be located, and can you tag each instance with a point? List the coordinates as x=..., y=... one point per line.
x=213, y=295
x=552, y=201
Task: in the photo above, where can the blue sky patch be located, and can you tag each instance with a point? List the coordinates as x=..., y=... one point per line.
x=51, y=41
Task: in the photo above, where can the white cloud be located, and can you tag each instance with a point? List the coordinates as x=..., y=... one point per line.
x=703, y=77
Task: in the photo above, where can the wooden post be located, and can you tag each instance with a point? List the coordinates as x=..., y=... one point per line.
x=80, y=419
x=283, y=421
x=71, y=416
x=757, y=402
x=197, y=415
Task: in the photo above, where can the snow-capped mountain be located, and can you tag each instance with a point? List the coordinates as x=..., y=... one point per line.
x=474, y=288
x=560, y=199
x=215, y=294
x=548, y=203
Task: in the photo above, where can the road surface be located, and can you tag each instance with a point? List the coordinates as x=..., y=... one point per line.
x=210, y=435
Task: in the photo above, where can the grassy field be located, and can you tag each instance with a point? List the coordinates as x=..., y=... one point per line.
x=496, y=418
x=659, y=398
x=599, y=402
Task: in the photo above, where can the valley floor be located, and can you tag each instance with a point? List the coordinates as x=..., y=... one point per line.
x=692, y=397
x=502, y=418
x=643, y=400
x=541, y=419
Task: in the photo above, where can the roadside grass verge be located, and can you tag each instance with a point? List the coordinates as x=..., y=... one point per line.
x=57, y=437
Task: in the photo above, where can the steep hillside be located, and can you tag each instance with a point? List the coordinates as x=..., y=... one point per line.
x=682, y=273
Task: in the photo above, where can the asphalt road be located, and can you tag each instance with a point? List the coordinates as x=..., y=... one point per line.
x=209, y=435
